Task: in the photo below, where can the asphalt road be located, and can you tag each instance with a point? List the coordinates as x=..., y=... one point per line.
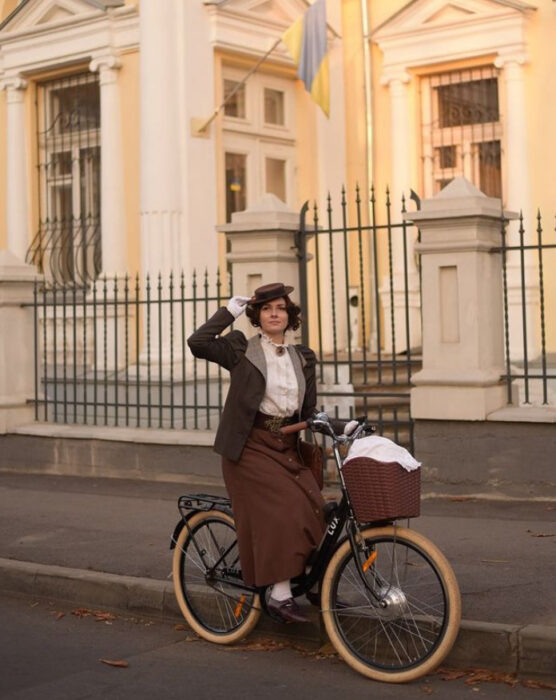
x=54, y=652
x=503, y=553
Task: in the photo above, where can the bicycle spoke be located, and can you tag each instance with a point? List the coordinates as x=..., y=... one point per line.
x=213, y=602
x=408, y=624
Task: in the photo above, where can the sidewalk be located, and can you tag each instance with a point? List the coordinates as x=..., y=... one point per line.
x=106, y=542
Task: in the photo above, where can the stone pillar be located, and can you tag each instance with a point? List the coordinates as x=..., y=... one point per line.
x=393, y=290
x=518, y=198
x=262, y=248
x=17, y=359
x=463, y=333
x=16, y=167
x=113, y=224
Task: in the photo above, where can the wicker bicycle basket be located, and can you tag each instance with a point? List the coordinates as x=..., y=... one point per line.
x=382, y=490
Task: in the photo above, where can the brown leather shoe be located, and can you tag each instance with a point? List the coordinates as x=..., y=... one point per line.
x=288, y=610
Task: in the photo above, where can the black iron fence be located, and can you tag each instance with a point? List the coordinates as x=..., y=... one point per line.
x=360, y=289
x=528, y=264
x=115, y=354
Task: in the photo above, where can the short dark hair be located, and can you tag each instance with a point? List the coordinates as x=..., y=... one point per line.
x=253, y=313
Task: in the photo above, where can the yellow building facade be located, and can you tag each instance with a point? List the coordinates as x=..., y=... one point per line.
x=105, y=167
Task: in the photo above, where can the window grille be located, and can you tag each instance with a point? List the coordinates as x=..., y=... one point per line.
x=67, y=246
x=462, y=129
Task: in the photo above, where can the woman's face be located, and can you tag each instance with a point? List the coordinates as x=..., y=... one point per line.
x=274, y=318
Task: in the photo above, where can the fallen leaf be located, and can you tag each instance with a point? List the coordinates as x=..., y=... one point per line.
x=426, y=689
x=116, y=664
x=60, y=615
x=451, y=674
x=81, y=612
x=179, y=628
x=482, y=675
x=540, y=685
x=100, y=615
x=34, y=605
x=540, y=534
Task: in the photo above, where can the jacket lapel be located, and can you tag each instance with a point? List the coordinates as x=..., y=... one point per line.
x=298, y=362
x=255, y=355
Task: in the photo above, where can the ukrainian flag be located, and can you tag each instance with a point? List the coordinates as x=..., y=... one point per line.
x=306, y=42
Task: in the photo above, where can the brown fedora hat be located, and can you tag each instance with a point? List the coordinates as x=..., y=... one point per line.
x=268, y=292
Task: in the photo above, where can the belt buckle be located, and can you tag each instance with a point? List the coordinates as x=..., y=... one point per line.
x=274, y=424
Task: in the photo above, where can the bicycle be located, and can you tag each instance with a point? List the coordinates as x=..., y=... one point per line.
x=389, y=598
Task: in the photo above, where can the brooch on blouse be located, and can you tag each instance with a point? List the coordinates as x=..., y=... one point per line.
x=280, y=349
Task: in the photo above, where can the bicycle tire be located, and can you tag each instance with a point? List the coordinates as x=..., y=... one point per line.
x=418, y=627
x=216, y=612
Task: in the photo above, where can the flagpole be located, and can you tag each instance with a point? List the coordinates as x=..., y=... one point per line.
x=216, y=112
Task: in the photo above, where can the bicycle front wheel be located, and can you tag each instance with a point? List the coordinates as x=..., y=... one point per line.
x=403, y=620
x=205, y=554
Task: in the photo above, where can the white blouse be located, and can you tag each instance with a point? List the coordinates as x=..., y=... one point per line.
x=281, y=395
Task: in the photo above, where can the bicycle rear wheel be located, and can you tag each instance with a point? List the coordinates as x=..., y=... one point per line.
x=217, y=611
x=411, y=624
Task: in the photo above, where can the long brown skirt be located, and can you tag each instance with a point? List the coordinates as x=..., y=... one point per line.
x=277, y=508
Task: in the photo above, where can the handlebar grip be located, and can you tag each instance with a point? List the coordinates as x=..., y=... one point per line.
x=293, y=428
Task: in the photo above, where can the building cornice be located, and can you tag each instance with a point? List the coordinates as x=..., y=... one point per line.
x=408, y=41
x=233, y=28
x=75, y=39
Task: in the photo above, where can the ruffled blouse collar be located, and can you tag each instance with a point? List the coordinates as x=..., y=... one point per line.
x=279, y=348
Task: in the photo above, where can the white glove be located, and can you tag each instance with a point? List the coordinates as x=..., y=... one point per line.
x=350, y=427
x=236, y=305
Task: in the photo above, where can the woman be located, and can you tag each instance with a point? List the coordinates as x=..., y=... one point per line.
x=276, y=502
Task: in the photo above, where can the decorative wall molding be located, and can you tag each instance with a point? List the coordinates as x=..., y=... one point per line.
x=52, y=33
x=437, y=31
x=14, y=82
x=250, y=27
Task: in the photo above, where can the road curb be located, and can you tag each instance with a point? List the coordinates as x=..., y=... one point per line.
x=528, y=650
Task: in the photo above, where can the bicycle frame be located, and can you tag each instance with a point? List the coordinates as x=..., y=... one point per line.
x=342, y=517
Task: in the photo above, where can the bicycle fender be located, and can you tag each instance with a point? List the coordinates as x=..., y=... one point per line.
x=179, y=527
x=181, y=523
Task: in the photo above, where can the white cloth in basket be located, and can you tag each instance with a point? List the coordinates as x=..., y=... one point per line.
x=383, y=450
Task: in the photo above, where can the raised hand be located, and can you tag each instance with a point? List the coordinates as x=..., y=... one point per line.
x=236, y=305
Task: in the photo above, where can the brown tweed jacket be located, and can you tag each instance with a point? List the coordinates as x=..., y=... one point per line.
x=247, y=366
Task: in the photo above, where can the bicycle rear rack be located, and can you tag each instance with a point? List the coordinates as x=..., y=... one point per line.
x=202, y=501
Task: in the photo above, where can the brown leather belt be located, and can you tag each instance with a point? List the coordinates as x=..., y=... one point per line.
x=273, y=423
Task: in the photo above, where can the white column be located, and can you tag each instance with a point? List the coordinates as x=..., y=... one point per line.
x=113, y=220
x=160, y=134
x=161, y=139
x=518, y=198
x=399, y=128
x=518, y=183
x=394, y=289
x=16, y=175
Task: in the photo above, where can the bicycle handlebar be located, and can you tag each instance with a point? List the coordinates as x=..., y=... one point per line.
x=320, y=423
